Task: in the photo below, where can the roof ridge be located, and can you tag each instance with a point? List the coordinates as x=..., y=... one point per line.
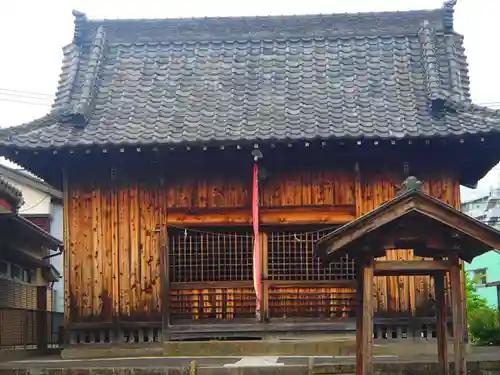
x=83, y=17
x=257, y=27
x=82, y=107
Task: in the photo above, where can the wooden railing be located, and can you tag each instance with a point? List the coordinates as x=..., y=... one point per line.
x=324, y=300
x=211, y=301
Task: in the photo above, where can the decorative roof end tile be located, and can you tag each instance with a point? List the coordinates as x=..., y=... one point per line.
x=410, y=184
x=80, y=21
x=449, y=9
x=11, y=194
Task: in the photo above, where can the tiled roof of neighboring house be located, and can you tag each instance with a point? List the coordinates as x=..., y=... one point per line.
x=27, y=179
x=373, y=75
x=11, y=194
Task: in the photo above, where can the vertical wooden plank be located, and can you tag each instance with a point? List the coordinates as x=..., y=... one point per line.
x=145, y=226
x=124, y=256
x=458, y=326
x=135, y=256
x=403, y=284
x=106, y=295
x=76, y=253
x=441, y=331
x=358, y=194
x=157, y=221
x=97, y=254
x=301, y=184
x=204, y=193
x=87, y=259
x=115, y=252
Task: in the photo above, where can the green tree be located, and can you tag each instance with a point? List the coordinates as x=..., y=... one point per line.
x=483, y=320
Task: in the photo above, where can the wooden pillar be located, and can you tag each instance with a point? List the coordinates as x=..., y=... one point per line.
x=42, y=326
x=165, y=284
x=441, y=331
x=458, y=319
x=359, y=319
x=364, y=334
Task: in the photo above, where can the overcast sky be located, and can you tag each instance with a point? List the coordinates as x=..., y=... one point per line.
x=33, y=32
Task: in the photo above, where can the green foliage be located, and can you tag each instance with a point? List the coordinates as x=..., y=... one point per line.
x=483, y=320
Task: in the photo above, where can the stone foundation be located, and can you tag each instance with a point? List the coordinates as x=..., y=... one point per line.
x=474, y=368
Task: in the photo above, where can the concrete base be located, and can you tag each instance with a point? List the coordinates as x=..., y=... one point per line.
x=261, y=348
x=22, y=354
x=330, y=347
x=326, y=346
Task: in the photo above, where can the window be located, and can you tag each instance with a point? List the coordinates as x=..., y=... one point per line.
x=4, y=268
x=479, y=276
x=28, y=276
x=15, y=272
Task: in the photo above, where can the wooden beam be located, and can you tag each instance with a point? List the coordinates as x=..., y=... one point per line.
x=441, y=325
x=410, y=267
x=328, y=214
x=458, y=326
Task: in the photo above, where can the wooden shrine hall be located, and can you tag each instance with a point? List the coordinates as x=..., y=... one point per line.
x=436, y=231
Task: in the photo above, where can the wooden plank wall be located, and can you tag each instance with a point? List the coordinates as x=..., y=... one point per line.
x=113, y=261
x=113, y=257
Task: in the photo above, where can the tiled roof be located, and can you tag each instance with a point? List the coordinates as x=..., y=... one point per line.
x=11, y=194
x=374, y=75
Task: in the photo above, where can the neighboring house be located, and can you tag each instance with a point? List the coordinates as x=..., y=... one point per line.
x=25, y=274
x=485, y=269
x=42, y=206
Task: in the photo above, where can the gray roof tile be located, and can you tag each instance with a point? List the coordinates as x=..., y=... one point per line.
x=11, y=194
x=370, y=75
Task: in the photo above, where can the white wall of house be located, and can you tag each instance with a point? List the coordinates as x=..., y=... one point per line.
x=56, y=229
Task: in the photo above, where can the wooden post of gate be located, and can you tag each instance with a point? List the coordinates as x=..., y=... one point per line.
x=364, y=334
x=457, y=309
x=441, y=330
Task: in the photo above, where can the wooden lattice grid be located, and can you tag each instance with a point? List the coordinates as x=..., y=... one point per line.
x=207, y=256
x=291, y=257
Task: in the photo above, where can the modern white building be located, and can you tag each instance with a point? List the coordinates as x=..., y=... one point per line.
x=485, y=269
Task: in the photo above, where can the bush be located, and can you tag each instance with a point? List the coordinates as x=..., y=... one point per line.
x=483, y=320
